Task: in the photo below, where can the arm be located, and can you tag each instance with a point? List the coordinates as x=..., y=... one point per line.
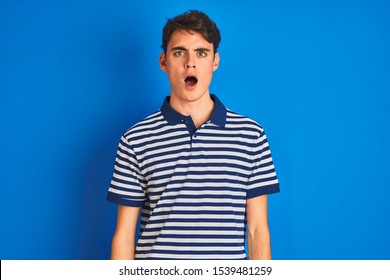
x=259, y=245
x=123, y=241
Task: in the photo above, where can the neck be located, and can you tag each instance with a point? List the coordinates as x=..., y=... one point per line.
x=200, y=110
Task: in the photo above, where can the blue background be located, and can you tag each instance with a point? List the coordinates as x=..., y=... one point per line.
x=74, y=75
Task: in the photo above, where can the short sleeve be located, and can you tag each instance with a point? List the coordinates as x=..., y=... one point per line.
x=127, y=184
x=263, y=179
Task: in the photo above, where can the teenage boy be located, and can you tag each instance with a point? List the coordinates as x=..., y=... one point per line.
x=196, y=173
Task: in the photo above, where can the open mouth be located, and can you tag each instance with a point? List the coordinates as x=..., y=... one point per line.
x=191, y=81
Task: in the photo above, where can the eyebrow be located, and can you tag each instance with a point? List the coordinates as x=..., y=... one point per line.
x=179, y=48
x=202, y=50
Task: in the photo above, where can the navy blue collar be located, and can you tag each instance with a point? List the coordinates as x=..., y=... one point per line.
x=218, y=116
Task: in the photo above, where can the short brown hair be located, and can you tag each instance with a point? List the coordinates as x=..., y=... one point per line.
x=192, y=20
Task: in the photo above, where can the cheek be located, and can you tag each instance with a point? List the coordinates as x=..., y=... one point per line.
x=174, y=77
x=208, y=73
x=208, y=67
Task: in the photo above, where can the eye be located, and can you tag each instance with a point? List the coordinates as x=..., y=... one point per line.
x=202, y=53
x=178, y=53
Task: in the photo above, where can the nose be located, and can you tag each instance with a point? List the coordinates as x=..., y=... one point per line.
x=190, y=63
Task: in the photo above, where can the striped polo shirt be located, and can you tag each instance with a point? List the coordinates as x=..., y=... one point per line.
x=192, y=184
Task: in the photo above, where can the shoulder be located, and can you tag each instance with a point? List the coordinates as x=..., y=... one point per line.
x=234, y=119
x=144, y=126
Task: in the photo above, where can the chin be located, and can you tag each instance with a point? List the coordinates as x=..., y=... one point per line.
x=195, y=95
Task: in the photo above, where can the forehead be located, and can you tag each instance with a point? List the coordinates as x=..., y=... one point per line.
x=188, y=40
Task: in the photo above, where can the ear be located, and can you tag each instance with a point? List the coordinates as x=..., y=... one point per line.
x=163, y=62
x=216, y=61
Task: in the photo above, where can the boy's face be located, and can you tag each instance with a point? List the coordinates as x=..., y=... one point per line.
x=190, y=62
